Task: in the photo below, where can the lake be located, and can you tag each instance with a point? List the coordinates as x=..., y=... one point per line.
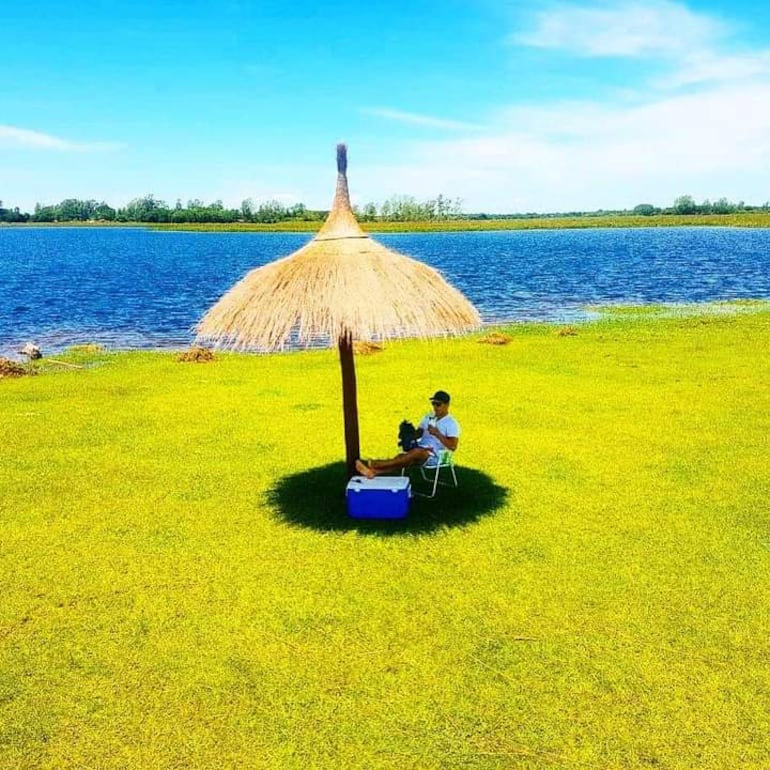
x=135, y=288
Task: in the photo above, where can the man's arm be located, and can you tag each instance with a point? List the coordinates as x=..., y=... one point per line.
x=449, y=442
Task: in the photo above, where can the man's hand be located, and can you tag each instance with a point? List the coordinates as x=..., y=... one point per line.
x=434, y=431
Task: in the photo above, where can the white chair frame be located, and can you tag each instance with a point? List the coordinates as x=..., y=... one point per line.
x=431, y=473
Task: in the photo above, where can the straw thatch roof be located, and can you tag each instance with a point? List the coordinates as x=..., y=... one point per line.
x=341, y=284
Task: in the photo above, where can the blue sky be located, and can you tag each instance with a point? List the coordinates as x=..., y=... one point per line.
x=510, y=106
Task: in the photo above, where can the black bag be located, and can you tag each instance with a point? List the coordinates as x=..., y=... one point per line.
x=407, y=436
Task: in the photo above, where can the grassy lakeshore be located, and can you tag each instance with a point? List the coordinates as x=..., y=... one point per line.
x=182, y=589
x=744, y=219
x=752, y=219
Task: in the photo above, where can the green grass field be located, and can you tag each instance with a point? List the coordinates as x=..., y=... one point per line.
x=181, y=587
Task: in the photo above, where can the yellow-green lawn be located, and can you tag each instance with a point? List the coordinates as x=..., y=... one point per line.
x=180, y=586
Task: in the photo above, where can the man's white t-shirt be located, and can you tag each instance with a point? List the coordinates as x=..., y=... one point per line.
x=446, y=425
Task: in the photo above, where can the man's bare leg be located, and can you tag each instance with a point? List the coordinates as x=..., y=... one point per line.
x=415, y=456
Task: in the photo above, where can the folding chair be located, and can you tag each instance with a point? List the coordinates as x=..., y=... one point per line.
x=431, y=471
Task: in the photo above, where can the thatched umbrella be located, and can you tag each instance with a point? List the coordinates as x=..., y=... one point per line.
x=340, y=287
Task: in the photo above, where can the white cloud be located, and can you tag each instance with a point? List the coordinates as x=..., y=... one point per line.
x=706, y=144
x=697, y=49
x=708, y=67
x=11, y=136
x=420, y=120
x=630, y=29
x=21, y=137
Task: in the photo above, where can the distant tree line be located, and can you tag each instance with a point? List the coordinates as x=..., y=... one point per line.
x=399, y=208
x=684, y=204
x=151, y=210
x=12, y=215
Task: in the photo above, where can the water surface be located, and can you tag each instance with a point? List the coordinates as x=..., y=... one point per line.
x=135, y=288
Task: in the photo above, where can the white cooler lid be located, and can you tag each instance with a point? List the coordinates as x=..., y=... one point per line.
x=392, y=483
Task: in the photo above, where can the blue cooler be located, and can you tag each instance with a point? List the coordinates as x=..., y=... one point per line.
x=383, y=497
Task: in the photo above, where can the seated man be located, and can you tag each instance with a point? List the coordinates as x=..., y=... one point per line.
x=436, y=432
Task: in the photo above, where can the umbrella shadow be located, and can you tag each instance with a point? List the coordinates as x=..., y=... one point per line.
x=315, y=499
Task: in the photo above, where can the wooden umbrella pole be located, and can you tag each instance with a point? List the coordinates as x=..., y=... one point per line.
x=349, y=403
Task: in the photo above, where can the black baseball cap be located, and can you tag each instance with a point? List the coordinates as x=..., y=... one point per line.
x=440, y=395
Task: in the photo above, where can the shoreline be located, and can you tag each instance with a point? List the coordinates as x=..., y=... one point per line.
x=752, y=219
x=590, y=315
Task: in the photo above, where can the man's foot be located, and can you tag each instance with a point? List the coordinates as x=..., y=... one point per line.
x=364, y=469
